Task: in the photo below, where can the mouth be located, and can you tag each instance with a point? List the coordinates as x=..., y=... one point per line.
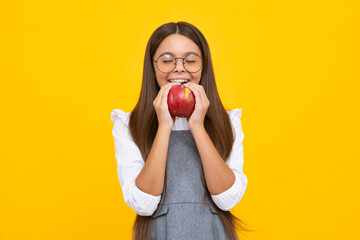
x=178, y=80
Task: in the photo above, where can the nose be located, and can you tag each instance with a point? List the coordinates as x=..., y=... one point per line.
x=179, y=65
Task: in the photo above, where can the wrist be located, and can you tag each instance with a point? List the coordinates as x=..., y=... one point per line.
x=163, y=129
x=197, y=128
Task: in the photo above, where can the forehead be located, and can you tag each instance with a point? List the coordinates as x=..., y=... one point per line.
x=178, y=45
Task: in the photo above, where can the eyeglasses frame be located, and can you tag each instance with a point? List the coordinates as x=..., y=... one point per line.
x=183, y=61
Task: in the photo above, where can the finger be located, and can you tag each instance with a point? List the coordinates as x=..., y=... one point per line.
x=198, y=98
x=202, y=93
x=167, y=89
x=160, y=95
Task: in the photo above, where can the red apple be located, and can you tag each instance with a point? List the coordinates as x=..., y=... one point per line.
x=181, y=101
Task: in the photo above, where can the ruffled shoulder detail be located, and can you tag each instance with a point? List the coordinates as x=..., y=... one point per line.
x=121, y=115
x=235, y=114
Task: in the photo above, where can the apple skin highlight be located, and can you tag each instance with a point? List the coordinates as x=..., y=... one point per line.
x=181, y=101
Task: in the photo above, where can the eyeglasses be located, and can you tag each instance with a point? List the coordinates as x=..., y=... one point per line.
x=167, y=63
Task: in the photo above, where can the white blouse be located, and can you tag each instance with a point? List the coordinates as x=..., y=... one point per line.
x=130, y=162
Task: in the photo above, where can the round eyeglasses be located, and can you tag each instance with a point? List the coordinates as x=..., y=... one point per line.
x=167, y=63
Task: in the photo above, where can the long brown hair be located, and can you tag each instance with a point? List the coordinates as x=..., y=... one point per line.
x=217, y=122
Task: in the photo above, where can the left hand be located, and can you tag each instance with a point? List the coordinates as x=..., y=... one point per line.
x=201, y=106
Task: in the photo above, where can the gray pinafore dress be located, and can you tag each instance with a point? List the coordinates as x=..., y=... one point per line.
x=184, y=215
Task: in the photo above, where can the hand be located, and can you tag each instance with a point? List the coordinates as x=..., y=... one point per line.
x=201, y=106
x=166, y=121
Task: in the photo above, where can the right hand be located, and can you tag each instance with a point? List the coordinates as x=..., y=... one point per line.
x=166, y=121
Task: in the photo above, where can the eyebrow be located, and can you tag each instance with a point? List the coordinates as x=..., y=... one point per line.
x=187, y=53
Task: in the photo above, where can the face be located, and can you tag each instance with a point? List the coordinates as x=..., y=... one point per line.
x=179, y=46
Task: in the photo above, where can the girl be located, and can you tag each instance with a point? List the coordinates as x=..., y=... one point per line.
x=180, y=175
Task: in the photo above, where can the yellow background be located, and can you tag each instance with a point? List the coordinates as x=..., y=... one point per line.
x=291, y=66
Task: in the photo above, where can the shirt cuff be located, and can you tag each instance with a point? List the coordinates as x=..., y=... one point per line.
x=230, y=197
x=147, y=203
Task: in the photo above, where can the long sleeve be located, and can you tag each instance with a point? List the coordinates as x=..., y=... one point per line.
x=129, y=164
x=232, y=196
